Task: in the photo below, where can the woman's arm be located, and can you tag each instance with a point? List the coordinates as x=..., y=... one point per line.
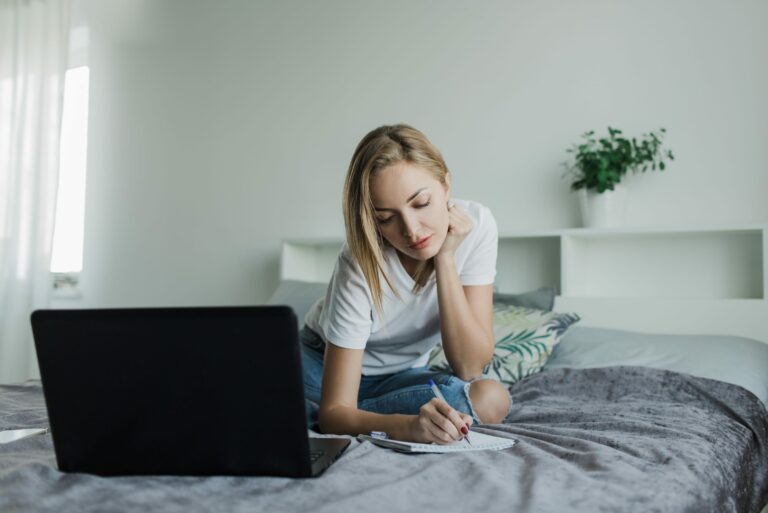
x=466, y=320
x=436, y=421
x=466, y=312
x=338, y=399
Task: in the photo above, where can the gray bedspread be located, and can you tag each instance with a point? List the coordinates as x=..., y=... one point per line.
x=618, y=439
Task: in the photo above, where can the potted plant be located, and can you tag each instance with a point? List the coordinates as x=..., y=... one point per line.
x=599, y=165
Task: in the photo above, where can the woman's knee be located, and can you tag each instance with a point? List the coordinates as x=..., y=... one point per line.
x=490, y=400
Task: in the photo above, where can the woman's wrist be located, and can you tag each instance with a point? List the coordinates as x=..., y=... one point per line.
x=402, y=429
x=442, y=259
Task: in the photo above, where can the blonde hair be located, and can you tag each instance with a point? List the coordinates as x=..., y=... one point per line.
x=380, y=148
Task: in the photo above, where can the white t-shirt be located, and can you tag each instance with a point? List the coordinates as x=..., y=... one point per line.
x=410, y=328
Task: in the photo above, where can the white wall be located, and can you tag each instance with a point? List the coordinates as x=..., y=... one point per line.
x=218, y=128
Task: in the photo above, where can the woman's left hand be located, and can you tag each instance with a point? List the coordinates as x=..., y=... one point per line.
x=459, y=226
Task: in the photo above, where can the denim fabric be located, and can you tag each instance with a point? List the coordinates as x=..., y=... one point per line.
x=401, y=392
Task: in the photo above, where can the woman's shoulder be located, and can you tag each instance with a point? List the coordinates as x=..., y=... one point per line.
x=347, y=262
x=345, y=256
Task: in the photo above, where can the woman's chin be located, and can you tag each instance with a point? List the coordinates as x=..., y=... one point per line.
x=421, y=255
x=426, y=253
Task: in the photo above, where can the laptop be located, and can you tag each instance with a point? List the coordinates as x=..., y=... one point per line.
x=178, y=391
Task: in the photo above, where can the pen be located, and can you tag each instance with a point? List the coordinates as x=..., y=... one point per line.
x=439, y=395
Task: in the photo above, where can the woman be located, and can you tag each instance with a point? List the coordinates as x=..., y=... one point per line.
x=365, y=348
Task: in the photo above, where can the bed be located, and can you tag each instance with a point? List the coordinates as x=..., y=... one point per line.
x=617, y=420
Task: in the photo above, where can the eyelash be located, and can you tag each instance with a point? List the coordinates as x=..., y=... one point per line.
x=385, y=221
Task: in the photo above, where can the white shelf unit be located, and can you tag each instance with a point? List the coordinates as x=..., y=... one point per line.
x=711, y=280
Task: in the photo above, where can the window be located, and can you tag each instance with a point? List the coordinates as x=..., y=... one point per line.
x=67, y=257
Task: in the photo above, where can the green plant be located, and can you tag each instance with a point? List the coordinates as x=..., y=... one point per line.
x=600, y=164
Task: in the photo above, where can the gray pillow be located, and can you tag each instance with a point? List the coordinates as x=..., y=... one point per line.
x=738, y=360
x=299, y=295
x=539, y=299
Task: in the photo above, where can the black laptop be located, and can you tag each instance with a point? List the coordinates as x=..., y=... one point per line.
x=178, y=391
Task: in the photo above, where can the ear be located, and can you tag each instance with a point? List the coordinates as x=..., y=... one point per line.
x=447, y=184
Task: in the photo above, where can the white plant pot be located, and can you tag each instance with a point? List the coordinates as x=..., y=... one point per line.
x=603, y=210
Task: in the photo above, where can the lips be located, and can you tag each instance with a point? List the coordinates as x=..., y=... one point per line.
x=420, y=243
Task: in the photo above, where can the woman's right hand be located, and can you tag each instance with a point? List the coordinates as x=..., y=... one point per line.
x=438, y=422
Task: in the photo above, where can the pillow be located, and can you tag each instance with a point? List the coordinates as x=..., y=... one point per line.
x=733, y=359
x=524, y=337
x=541, y=299
x=299, y=295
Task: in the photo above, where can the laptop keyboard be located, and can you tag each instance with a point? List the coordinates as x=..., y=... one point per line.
x=315, y=455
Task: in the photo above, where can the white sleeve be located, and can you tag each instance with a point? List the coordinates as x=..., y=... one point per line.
x=346, y=319
x=480, y=266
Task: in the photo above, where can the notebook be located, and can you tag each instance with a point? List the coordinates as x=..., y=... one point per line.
x=480, y=442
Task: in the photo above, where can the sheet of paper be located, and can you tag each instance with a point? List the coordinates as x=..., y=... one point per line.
x=11, y=435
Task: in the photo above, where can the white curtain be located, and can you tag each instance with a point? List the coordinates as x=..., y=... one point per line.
x=34, y=43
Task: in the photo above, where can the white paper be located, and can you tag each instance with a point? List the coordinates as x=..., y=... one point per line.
x=480, y=442
x=11, y=435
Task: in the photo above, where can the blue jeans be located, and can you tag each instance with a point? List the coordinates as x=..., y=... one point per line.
x=400, y=392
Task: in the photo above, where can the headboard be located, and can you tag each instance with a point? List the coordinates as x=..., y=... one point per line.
x=653, y=280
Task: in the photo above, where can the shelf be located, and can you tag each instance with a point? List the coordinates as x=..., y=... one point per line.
x=695, y=263
x=701, y=264
x=674, y=278
x=632, y=230
x=309, y=259
x=528, y=263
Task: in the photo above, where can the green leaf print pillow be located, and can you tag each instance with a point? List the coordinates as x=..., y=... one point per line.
x=525, y=337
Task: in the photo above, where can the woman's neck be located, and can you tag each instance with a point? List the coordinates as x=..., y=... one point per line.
x=409, y=264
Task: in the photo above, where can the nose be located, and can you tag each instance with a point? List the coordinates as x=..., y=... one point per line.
x=410, y=225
